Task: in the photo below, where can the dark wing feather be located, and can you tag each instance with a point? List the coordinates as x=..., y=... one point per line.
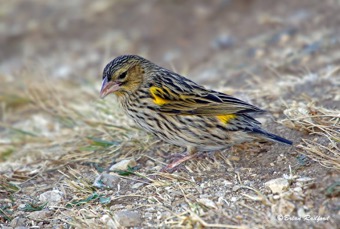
x=182, y=96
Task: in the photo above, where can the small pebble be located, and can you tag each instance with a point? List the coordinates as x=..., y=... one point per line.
x=106, y=180
x=39, y=215
x=137, y=185
x=278, y=185
x=53, y=197
x=106, y=219
x=207, y=202
x=128, y=218
x=123, y=165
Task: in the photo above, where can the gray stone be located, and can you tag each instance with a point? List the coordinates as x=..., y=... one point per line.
x=207, y=202
x=106, y=180
x=128, y=218
x=108, y=221
x=137, y=185
x=278, y=185
x=39, y=215
x=5, y=227
x=53, y=197
x=123, y=165
x=18, y=222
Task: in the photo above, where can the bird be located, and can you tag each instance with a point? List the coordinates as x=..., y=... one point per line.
x=180, y=111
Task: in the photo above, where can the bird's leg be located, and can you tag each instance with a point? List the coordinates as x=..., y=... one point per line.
x=192, y=153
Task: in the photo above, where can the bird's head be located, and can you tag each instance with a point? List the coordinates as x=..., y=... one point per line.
x=123, y=75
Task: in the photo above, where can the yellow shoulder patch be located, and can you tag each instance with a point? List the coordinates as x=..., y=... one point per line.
x=155, y=92
x=226, y=118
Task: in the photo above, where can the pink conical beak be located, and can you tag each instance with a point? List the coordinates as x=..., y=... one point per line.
x=108, y=88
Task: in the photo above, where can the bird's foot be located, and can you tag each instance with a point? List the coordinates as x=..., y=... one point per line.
x=173, y=166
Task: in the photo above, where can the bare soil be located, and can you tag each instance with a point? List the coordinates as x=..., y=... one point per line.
x=58, y=139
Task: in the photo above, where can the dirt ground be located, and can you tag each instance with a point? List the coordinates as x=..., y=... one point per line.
x=60, y=144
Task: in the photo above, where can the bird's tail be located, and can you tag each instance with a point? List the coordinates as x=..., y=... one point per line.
x=272, y=137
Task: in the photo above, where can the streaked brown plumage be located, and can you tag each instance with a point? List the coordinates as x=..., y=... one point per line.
x=178, y=110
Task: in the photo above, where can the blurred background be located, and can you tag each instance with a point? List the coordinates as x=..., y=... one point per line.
x=211, y=40
x=56, y=134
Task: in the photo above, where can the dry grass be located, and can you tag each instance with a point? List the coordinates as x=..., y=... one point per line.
x=65, y=143
x=57, y=136
x=318, y=122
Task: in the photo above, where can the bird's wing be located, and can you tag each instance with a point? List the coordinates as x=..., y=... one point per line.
x=196, y=100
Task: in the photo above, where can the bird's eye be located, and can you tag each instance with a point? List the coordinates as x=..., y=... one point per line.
x=122, y=76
